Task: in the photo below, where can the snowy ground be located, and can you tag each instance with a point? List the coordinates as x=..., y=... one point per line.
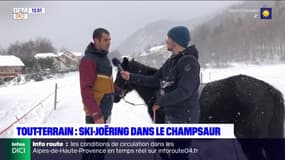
x=272, y=74
x=15, y=101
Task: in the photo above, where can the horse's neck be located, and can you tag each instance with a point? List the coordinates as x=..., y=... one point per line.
x=146, y=93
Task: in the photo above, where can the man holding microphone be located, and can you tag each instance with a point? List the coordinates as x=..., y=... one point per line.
x=178, y=79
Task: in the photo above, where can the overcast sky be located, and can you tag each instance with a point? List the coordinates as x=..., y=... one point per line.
x=70, y=24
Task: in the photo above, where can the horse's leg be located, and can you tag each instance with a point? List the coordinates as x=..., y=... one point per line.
x=277, y=121
x=252, y=149
x=160, y=117
x=274, y=148
x=150, y=112
x=254, y=122
x=263, y=149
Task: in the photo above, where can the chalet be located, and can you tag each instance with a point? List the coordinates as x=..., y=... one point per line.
x=45, y=55
x=10, y=66
x=64, y=61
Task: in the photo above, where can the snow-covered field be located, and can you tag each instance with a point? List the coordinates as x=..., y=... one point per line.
x=15, y=101
x=272, y=74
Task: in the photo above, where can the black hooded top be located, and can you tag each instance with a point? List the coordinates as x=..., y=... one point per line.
x=179, y=80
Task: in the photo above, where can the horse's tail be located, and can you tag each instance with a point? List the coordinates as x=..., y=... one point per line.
x=276, y=127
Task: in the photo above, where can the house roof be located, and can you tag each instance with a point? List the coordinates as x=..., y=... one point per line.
x=45, y=55
x=50, y=55
x=10, y=60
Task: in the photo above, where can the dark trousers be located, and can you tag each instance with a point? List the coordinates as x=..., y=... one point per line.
x=178, y=143
x=106, y=109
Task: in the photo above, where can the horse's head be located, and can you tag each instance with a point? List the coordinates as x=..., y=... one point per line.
x=132, y=66
x=122, y=86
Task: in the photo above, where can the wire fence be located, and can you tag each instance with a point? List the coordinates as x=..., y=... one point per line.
x=33, y=108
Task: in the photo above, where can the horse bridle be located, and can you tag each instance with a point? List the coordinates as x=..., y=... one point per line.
x=124, y=91
x=123, y=94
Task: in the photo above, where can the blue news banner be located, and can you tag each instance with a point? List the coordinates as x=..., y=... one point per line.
x=150, y=142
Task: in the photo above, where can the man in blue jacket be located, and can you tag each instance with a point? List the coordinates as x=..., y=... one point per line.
x=178, y=80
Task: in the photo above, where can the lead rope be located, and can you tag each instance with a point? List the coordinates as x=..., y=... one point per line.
x=131, y=103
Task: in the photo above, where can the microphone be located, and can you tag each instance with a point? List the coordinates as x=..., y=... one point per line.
x=116, y=62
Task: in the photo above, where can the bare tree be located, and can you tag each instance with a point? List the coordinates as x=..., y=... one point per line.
x=26, y=51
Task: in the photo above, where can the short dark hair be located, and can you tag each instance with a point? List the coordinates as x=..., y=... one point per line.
x=98, y=33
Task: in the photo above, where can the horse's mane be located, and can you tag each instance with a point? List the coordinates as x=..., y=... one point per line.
x=137, y=67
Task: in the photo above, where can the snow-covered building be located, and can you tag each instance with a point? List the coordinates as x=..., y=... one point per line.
x=64, y=61
x=10, y=66
x=69, y=58
x=45, y=55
